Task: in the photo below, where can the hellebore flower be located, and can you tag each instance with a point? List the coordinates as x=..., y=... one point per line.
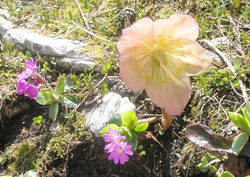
x=119, y=152
x=112, y=137
x=159, y=56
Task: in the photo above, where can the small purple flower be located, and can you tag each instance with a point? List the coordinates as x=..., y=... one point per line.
x=117, y=147
x=32, y=91
x=25, y=87
x=119, y=152
x=31, y=64
x=112, y=137
x=28, y=72
x=22, y=86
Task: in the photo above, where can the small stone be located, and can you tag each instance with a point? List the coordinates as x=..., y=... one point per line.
x=55, y=127
x=4, y=13
x=112, y=103
x=4, y=26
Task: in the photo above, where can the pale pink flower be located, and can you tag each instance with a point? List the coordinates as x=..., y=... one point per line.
x=112, y=137
x=159, y=56
x=120, y=152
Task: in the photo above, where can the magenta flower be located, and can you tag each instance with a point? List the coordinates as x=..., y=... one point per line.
x=159, y=56
x=32, y=91
x=28, y=72
x=22, y=85
x=112, y=137
x=120, y=152
x=31, y=64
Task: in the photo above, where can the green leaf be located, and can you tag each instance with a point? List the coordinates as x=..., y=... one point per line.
x=133, y=141
x=239, y=142
x=246, y=113
x=226, y=174
x=236, y=4
x=129, y=119
x=59, y=87
x=38, y=120
x=69, y=100
x=126, y=132
x=212, y=169
x=69, y=83
x=239, y=120
x=53, y=110
x=203, y=84
x=46, y=96
x=115, y=119
x=141, y=127
x=105, y=130
x=237, y=62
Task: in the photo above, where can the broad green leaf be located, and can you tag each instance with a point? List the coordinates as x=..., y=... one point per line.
x=59, y=87
x=115, y=119
x=226, y=174
x=239, y=142
x=105, y=130
x=69, y=100
x=212, y=169
x=40, y=98
x=239, y=120
x=236, y=4
x=141, y=127
x=53, y=110
x=246, y=116
x=46, y=96
x=133, y=141
x=129, y=119
x=126, y=132
x=246, y=113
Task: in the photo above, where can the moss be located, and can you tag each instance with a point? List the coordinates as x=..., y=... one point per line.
x=24, y=157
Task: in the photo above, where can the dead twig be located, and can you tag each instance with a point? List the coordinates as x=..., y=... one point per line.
x=89, y=32
x=85, y=21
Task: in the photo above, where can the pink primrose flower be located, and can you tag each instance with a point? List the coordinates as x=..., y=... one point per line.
x=120, y=152
x=112, y=137
x=159, y=56
x=31, y=63
x=28, y=72
x=22, y=86
x=32, y=91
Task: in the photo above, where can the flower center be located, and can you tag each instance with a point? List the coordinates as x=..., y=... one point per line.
x=157, y=60
x=120, y=149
